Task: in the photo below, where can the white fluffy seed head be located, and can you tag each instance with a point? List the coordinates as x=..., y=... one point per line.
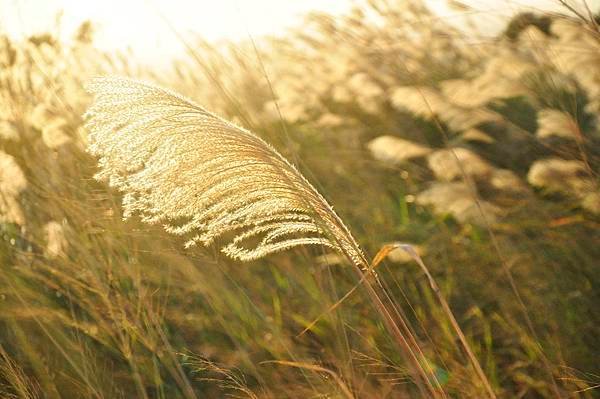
x=204, y=177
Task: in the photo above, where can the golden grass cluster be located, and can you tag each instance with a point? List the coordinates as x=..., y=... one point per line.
x=204, y=177
x=482, y=152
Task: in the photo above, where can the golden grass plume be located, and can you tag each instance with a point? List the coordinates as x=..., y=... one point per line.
x=204, y=177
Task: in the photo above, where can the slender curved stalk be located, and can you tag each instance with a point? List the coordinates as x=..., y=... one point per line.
x=461, y=336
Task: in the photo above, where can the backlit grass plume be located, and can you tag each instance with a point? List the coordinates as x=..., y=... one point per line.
x=204, y=177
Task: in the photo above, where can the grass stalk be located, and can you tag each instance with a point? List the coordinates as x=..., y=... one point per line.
x=461, y=336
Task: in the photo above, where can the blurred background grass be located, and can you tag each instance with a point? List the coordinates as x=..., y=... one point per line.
x=483, y=153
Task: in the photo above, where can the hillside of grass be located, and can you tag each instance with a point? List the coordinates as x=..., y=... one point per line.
x=481, y=153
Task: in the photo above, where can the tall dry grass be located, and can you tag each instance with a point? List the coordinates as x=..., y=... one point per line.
x=505, y=177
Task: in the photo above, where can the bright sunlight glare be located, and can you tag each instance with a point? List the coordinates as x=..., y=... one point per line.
x=143, y=25
x=149, y=28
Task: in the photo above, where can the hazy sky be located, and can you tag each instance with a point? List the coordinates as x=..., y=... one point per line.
x=138, y=23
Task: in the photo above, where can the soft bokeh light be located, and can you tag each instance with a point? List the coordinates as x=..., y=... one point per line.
x=143, y=26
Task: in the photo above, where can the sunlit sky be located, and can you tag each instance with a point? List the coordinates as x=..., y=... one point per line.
x=141, y=24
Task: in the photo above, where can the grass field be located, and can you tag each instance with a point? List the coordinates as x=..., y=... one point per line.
x=481, y=154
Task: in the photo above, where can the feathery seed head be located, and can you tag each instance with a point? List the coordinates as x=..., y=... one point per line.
x=204, y=177
x=12, y=183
